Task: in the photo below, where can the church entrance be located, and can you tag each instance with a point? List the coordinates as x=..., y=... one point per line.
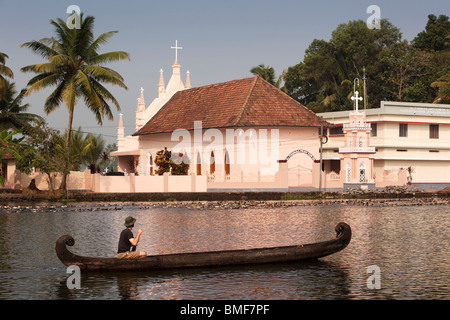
x=300, y=168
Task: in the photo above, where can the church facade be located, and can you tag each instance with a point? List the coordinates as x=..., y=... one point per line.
x=242, y=134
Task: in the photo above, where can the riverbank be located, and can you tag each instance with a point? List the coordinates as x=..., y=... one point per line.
x=243, y=203
x=391, y=192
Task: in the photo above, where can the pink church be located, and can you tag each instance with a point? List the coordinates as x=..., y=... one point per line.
x=242, y=134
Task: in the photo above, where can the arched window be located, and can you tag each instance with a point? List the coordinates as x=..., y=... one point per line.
x=150, y=163
x=199, y=164
x=348, y=173
x=362, y=172
x=227, y=163
x=360, y=142
x=212, y=163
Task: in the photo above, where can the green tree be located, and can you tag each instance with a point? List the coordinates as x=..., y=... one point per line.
x=47, y=153
x=321, y=81
x=176, y=164
x=76, y=68
x=12, y=145
x=443, y=85
x=13, y=113
x=403, y=64
x=4, y=72
x=436, y=36
x=163, y=161
x=111, y=162
x=93, y=151
x=268, y=74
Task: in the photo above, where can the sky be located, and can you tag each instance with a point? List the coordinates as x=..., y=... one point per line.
x=221, y=41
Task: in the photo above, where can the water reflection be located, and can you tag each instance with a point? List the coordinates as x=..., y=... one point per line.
x=409, y=244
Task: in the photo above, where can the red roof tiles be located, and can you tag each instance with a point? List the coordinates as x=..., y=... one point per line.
x=248, y=102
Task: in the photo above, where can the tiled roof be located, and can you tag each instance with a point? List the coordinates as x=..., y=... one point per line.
x=6, y=155
x=248, y=102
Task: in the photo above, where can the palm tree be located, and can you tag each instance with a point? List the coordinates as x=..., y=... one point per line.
x=443, y=85
x=268, y=74
x=76, y=69
x=13, y=114
x=93, y=150
x=4, y=71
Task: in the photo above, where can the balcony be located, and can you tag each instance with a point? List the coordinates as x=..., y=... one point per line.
x=357, y=150
x=357, y=126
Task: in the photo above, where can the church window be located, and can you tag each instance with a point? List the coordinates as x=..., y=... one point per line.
x=199, y=164
x=150, y=163
x=362, y=172
x=348, y=173
x=212, y=163
x=227, y=163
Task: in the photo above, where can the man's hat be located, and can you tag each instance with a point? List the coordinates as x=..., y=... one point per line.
x=129, y=221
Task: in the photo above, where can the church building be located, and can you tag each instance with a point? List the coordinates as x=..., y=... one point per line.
x=239, y=134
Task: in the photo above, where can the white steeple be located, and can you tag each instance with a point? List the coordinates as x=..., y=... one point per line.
x=175, y=83
x=188, y=81
x=140, y=110
x=120, y=134
x=161, y=87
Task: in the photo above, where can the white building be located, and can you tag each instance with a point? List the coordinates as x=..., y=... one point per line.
x=403, y=134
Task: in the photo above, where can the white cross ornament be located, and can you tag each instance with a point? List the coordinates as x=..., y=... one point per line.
x=356, y=98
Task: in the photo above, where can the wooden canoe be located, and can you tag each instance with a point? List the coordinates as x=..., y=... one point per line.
x=207, y=259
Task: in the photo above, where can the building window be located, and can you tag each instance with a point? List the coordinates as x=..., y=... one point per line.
x=434, y=131
x=227, y=163
x=334, y=131
x=362, y=172
x=199, y=164
x=374, y=129
x=403, y=130
x=360, y=142
x=212, y=163
x=348, y=173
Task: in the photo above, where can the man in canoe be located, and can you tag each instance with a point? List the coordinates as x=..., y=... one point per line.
x=128, y=243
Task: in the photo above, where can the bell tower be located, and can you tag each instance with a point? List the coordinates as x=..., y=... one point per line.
x=357, y=154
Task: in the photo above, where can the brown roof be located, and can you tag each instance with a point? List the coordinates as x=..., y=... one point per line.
x=7, y=155
x=247, y=102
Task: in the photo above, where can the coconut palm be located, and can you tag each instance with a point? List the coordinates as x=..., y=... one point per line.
x=443, y=85
x=268, y=74
x=76, y=68
x=95, y=145
x=13, y=113
x=4, y=72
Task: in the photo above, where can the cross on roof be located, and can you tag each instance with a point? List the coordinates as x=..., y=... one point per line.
x=176, y=49
x=356, y=98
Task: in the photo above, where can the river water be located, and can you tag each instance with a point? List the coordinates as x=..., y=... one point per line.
x=409, y=245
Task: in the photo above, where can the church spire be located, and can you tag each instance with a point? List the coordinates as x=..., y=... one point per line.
x=176, y=51
x=141, y=102
x=140, y=110
x=175, y=83
x=188, y=81
x=161, y=89
x=120, y=134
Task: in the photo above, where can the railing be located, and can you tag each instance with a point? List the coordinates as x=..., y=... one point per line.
x=357, y=150
x=357, y=126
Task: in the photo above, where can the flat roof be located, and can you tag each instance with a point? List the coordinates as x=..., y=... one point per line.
x=398, y=108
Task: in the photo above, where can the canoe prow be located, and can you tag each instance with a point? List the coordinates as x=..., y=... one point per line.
x=207, y=259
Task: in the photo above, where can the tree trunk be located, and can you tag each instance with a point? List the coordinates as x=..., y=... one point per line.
x=63, y=185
